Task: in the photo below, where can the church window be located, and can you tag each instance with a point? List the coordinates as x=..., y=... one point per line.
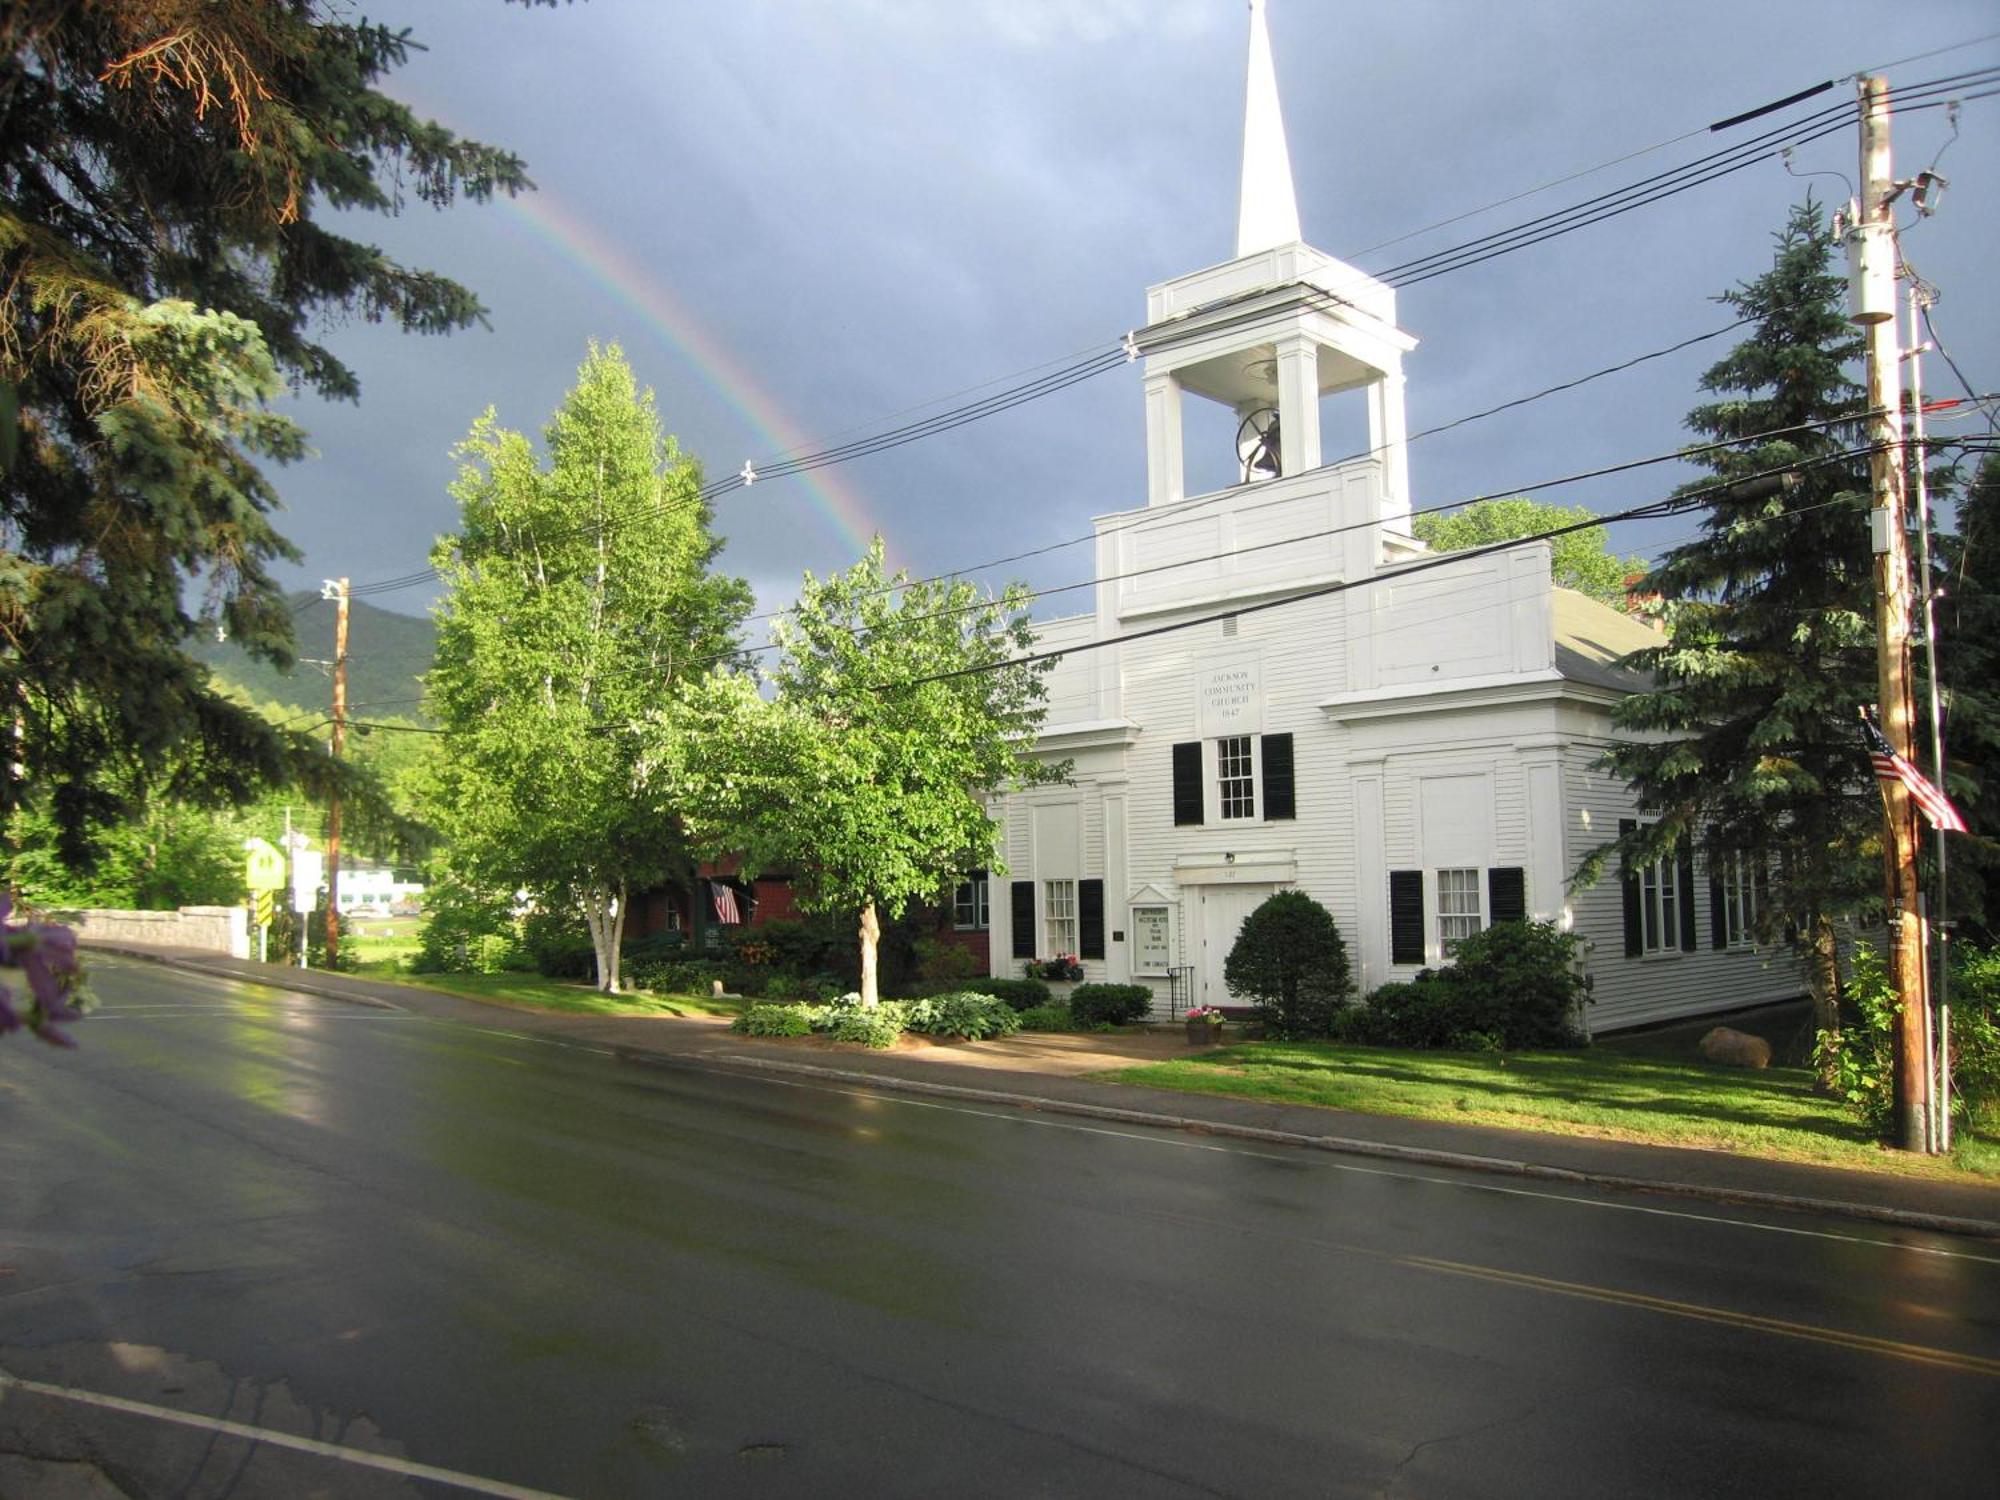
x=1459, y=912
x=1236, y=774
x=1059, y=913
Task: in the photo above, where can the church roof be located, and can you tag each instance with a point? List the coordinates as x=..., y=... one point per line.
x=1591, y=637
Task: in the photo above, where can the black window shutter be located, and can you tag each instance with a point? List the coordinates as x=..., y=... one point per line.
x=1628, y=883
x=1406, y=916
x=1278, y=799
x=1187, y=783
x=1022, y=895
x=1718, y=914
x=1690, y=939
x=1090, y=919
x=1507, y=894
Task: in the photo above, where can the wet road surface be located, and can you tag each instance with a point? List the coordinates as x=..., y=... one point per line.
x=361, y=1253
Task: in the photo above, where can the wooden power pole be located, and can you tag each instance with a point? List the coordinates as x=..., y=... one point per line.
x=1875, y=310
x=337, y=589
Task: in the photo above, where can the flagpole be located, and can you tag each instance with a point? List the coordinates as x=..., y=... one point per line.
x=1941, y=1094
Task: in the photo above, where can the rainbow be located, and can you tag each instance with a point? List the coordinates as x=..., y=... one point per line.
x=571, y=237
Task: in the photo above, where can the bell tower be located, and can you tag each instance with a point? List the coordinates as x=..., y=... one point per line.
x=1271, y=332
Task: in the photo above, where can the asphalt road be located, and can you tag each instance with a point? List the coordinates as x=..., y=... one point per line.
x=457, y=1258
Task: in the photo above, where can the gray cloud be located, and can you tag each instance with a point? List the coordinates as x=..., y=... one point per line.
x=862, y=206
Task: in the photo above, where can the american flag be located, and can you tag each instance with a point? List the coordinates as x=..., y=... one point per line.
x=726, y=909
x=1889, y=766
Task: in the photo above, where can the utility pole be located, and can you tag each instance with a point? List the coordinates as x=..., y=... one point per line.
x=336, y=589
x=1874, y=244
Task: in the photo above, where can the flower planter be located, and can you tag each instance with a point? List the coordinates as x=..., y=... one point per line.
x=1203, y=1033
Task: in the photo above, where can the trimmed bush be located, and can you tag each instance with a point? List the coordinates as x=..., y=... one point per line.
x=966, y=1014
x=1513, y=985
x=1022, y=994
x=1110, y=1004
x=1289, y=961
x=1047, y=1018
x=1518, y=981
x=774, y=1020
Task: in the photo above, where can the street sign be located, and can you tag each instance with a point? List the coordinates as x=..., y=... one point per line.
x=263, y=865
x=264, y=906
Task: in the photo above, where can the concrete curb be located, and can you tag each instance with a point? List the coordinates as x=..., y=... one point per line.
x=1877, y=1213
x=305, y=986
x=1343, y=1145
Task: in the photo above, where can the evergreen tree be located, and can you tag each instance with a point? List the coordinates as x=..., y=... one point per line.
x=1752, y=748
x=1968, y=626
x=578, y=596
x=161, y=162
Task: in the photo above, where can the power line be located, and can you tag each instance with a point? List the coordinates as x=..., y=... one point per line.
x=1653, y=508
x=1677, y=454
x=1649, y=190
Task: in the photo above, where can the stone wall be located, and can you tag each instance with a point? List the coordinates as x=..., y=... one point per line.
x=209, y=929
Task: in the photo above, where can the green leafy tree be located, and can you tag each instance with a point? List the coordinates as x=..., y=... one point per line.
x=901, y=706
x=576, y=592
x=161, y=271
x=1583, y=559
x=1290, y=960
x=1750, y=745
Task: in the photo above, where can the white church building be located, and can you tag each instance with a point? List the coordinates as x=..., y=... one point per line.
x=1279, y=687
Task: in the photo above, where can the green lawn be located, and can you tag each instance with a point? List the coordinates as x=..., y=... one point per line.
x=1624, y=1094
x=537, y=993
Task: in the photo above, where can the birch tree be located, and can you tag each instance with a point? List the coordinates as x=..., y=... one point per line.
x=578, y=591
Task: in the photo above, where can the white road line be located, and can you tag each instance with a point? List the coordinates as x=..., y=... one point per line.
x=276, y=1439
x=1026, y=1117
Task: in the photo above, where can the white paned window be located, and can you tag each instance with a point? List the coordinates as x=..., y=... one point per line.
x=1739, y=900
x=1059, y=914
x=1459, y=910
x=1235, y=771
x=969, y=910
x=1659, y=907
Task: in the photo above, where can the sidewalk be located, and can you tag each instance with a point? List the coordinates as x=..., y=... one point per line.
x=1045, y=1072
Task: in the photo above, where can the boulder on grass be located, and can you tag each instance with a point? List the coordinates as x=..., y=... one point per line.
x=1735, y=1049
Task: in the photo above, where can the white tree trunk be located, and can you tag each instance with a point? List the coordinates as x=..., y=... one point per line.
x=871, y=937
x=618, y=940
x=602, y=914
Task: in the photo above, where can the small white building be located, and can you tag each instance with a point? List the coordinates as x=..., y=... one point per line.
x=1280, y=687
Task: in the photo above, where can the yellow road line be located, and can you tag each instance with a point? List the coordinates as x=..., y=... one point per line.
x=1967, y=1364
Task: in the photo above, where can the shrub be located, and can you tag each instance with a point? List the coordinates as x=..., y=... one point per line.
x=774, y=1020
x=682, y=976
x=1863, y=1055
x=1975, y=1031
x=1289, y=961
x=1047, y=1018
x=1518, y=981
x=1110, y=1004
x=464, y=931
x=941, y=959
x=848, y=1020
x=557, y=945
x=965, y=1014
x=1425, y=1012
x=1022, y=994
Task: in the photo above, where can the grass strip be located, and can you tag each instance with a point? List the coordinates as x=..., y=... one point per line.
x=1771, y=1112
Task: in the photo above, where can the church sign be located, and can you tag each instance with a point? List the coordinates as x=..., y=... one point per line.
x=1229, y=697
x=1152, y=946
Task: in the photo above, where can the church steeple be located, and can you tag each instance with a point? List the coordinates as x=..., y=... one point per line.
x=1268, y=213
